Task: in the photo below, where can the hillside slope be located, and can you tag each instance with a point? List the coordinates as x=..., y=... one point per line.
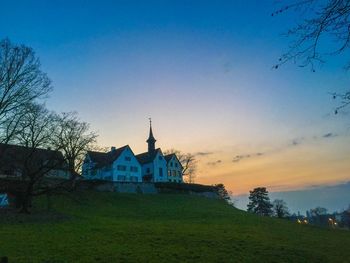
x=110, y=227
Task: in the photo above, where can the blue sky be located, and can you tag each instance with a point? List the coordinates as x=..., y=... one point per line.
x=202, y=70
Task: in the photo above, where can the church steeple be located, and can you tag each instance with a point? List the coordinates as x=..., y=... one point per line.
x=151, y=140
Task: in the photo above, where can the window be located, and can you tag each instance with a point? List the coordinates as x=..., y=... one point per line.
x=121, y=178
x=93, y=172
x=173, y=173
x=169, y=173
x=175, y=164
x=171, y=164
x=134, y=179
x=160, y=158
x=121, y=168
x=148, y=170
x=160, y=171
x=127, y=158
x=134, y=169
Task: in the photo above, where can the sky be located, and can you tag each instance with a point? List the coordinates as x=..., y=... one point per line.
x=203, y=71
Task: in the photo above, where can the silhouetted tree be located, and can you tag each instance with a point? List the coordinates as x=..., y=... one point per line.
x=318, y=211
x=323, y=31
x=35, y=133
x=259, y=202
x=21, y=83
x=222, y=192
x=74, y=138
x=346, y=218
x=188, y=162
x=318, y=216
x=280, y=208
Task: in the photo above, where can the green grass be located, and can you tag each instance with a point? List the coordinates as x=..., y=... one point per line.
x=110, y=227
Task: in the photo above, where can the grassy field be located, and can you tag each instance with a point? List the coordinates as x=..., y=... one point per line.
x=110, y=227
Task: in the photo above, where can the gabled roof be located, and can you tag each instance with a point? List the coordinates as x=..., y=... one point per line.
x=15, y=155
x=102, y=159
x=168, y=158
x=146, y=157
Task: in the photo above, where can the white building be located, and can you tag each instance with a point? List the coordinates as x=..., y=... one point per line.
x=154, y=165
x=118, y=165
x=121, y=165
x=174, y=168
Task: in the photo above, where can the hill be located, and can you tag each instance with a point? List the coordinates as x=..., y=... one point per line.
x=111, y=227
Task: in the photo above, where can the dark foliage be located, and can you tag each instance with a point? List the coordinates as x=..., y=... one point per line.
x=222, y=192
x=259, y=202
x=176, y=187
x=280, y=208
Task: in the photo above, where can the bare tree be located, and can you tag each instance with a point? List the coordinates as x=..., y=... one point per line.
x=36, y=159
x=21, y=83
x=74, y=137
x=188, y=162
x=323, y=31
x=280, y=208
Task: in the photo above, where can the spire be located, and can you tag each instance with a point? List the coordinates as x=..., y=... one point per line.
x=151, y=140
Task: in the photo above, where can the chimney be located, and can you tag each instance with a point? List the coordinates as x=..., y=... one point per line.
x=112, y=149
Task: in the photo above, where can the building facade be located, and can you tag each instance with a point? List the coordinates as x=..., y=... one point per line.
x=121, y=165
x=118, y=165
x=174, y=168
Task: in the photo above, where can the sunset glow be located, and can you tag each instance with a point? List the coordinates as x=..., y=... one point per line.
x=204, y=74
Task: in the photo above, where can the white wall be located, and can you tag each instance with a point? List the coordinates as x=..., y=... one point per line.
x=160, y=162
x=130, y=176
x=174, y=171
x=112, y=173
x=147, y=166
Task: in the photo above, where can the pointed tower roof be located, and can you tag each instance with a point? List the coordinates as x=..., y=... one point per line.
x=150, y=137
x=151, y=140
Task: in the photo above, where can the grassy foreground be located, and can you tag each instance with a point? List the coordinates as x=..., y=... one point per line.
x=110, y=227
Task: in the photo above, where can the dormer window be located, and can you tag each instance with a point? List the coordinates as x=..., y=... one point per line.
x=127, y=158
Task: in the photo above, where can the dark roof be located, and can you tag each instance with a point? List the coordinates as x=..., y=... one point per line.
x=15, y=155
x=151, y=137
x=102, y=159
x=168, y=157
x=146, y=157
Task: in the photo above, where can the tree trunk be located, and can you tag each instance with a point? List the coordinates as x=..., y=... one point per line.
x=48, y=201
x=26, y=200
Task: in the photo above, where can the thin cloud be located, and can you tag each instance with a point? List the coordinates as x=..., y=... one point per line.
x=238, y=158
x=214, y=163
x=203, y=153
x=297, y=141
x=329, y=135
x=292, y=143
